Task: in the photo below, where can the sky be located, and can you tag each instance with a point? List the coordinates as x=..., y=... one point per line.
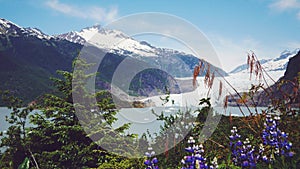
x=267, y=27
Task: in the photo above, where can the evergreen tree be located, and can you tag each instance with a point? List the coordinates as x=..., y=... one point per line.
x=57, y=136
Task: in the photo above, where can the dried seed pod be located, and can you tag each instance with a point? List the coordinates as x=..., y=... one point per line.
x=226, y=102
x=195, y=74
x=200, y=67
x=207, y=75
x=211, y=80
x=220, y=89
x=248, y=60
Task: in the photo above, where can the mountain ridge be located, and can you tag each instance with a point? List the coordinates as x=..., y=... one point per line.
x=117, y=42
x=29, y=57
x=10, y=28
x=278, y=63
x=286, y=89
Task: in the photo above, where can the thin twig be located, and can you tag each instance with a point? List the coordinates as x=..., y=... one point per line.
x=235, y=92
x=220, y=145
x=35, y=162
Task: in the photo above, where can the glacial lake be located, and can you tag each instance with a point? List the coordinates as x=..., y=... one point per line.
x=141, y=119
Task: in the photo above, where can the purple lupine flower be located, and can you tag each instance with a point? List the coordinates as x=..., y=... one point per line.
x=242, y=152
x=151, y=163
x=196, y=160
x=276, y=139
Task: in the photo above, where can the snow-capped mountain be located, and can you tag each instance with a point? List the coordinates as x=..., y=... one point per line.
x=12, y=29
x=280, y=63
x=277, y=64
x=117, y=42
x=28, y=58
x=275, y=68
x=33, y=56
x=111, y=40
x=245, y=66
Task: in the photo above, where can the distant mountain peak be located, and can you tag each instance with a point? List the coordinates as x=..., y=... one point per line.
x=10, y=28
x=8, y=23
x=111, y=40
x=272, y=65
x=287, y=51
x=287, y=54
x=72, y=36
x=38, y=33
x=96, y=28
x=117, y=42
x=245, y=66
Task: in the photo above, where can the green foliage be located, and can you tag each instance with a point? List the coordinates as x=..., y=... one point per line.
x=218, y=144
x=25, y=164
x=55, y=137
x=117, y=162
x=166, y=99
x=28, y=62
x=227, y=166
x=15, y=138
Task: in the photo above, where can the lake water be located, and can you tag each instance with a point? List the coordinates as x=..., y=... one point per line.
x=142, y=119
x=6, y=112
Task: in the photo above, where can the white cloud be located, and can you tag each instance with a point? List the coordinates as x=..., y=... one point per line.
x=98, y=14
x=284, y=5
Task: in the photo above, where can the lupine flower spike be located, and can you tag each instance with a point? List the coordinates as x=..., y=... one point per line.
x=151, y=163
x=275, y=140
x=196, y=160
x=242, y=152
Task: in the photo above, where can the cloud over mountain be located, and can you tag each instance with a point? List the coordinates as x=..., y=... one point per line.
x=285, y=5
x=95, y=13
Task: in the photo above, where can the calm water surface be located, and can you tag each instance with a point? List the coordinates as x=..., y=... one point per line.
x=141, y=119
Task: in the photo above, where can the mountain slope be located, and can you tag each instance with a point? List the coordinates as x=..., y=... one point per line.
x=111, y=41
x=245, y=66
x=277, y=64
x=11, y=29
x=240, y=76
x=286, y=89
x=28, y=58
x=177, y=64
x=293, y=68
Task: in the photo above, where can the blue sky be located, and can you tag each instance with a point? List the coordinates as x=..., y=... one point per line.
x=234, y=27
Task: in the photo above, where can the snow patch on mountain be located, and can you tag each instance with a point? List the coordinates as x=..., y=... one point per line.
x=111, y=40
x=4, y=23
x=38, y=33
x=281, y=62
x=242, y=82
x=10, y=28
x=189, y=98
x=276, y=64
x=115, y=41
x=245, y=66
x=275, y=68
